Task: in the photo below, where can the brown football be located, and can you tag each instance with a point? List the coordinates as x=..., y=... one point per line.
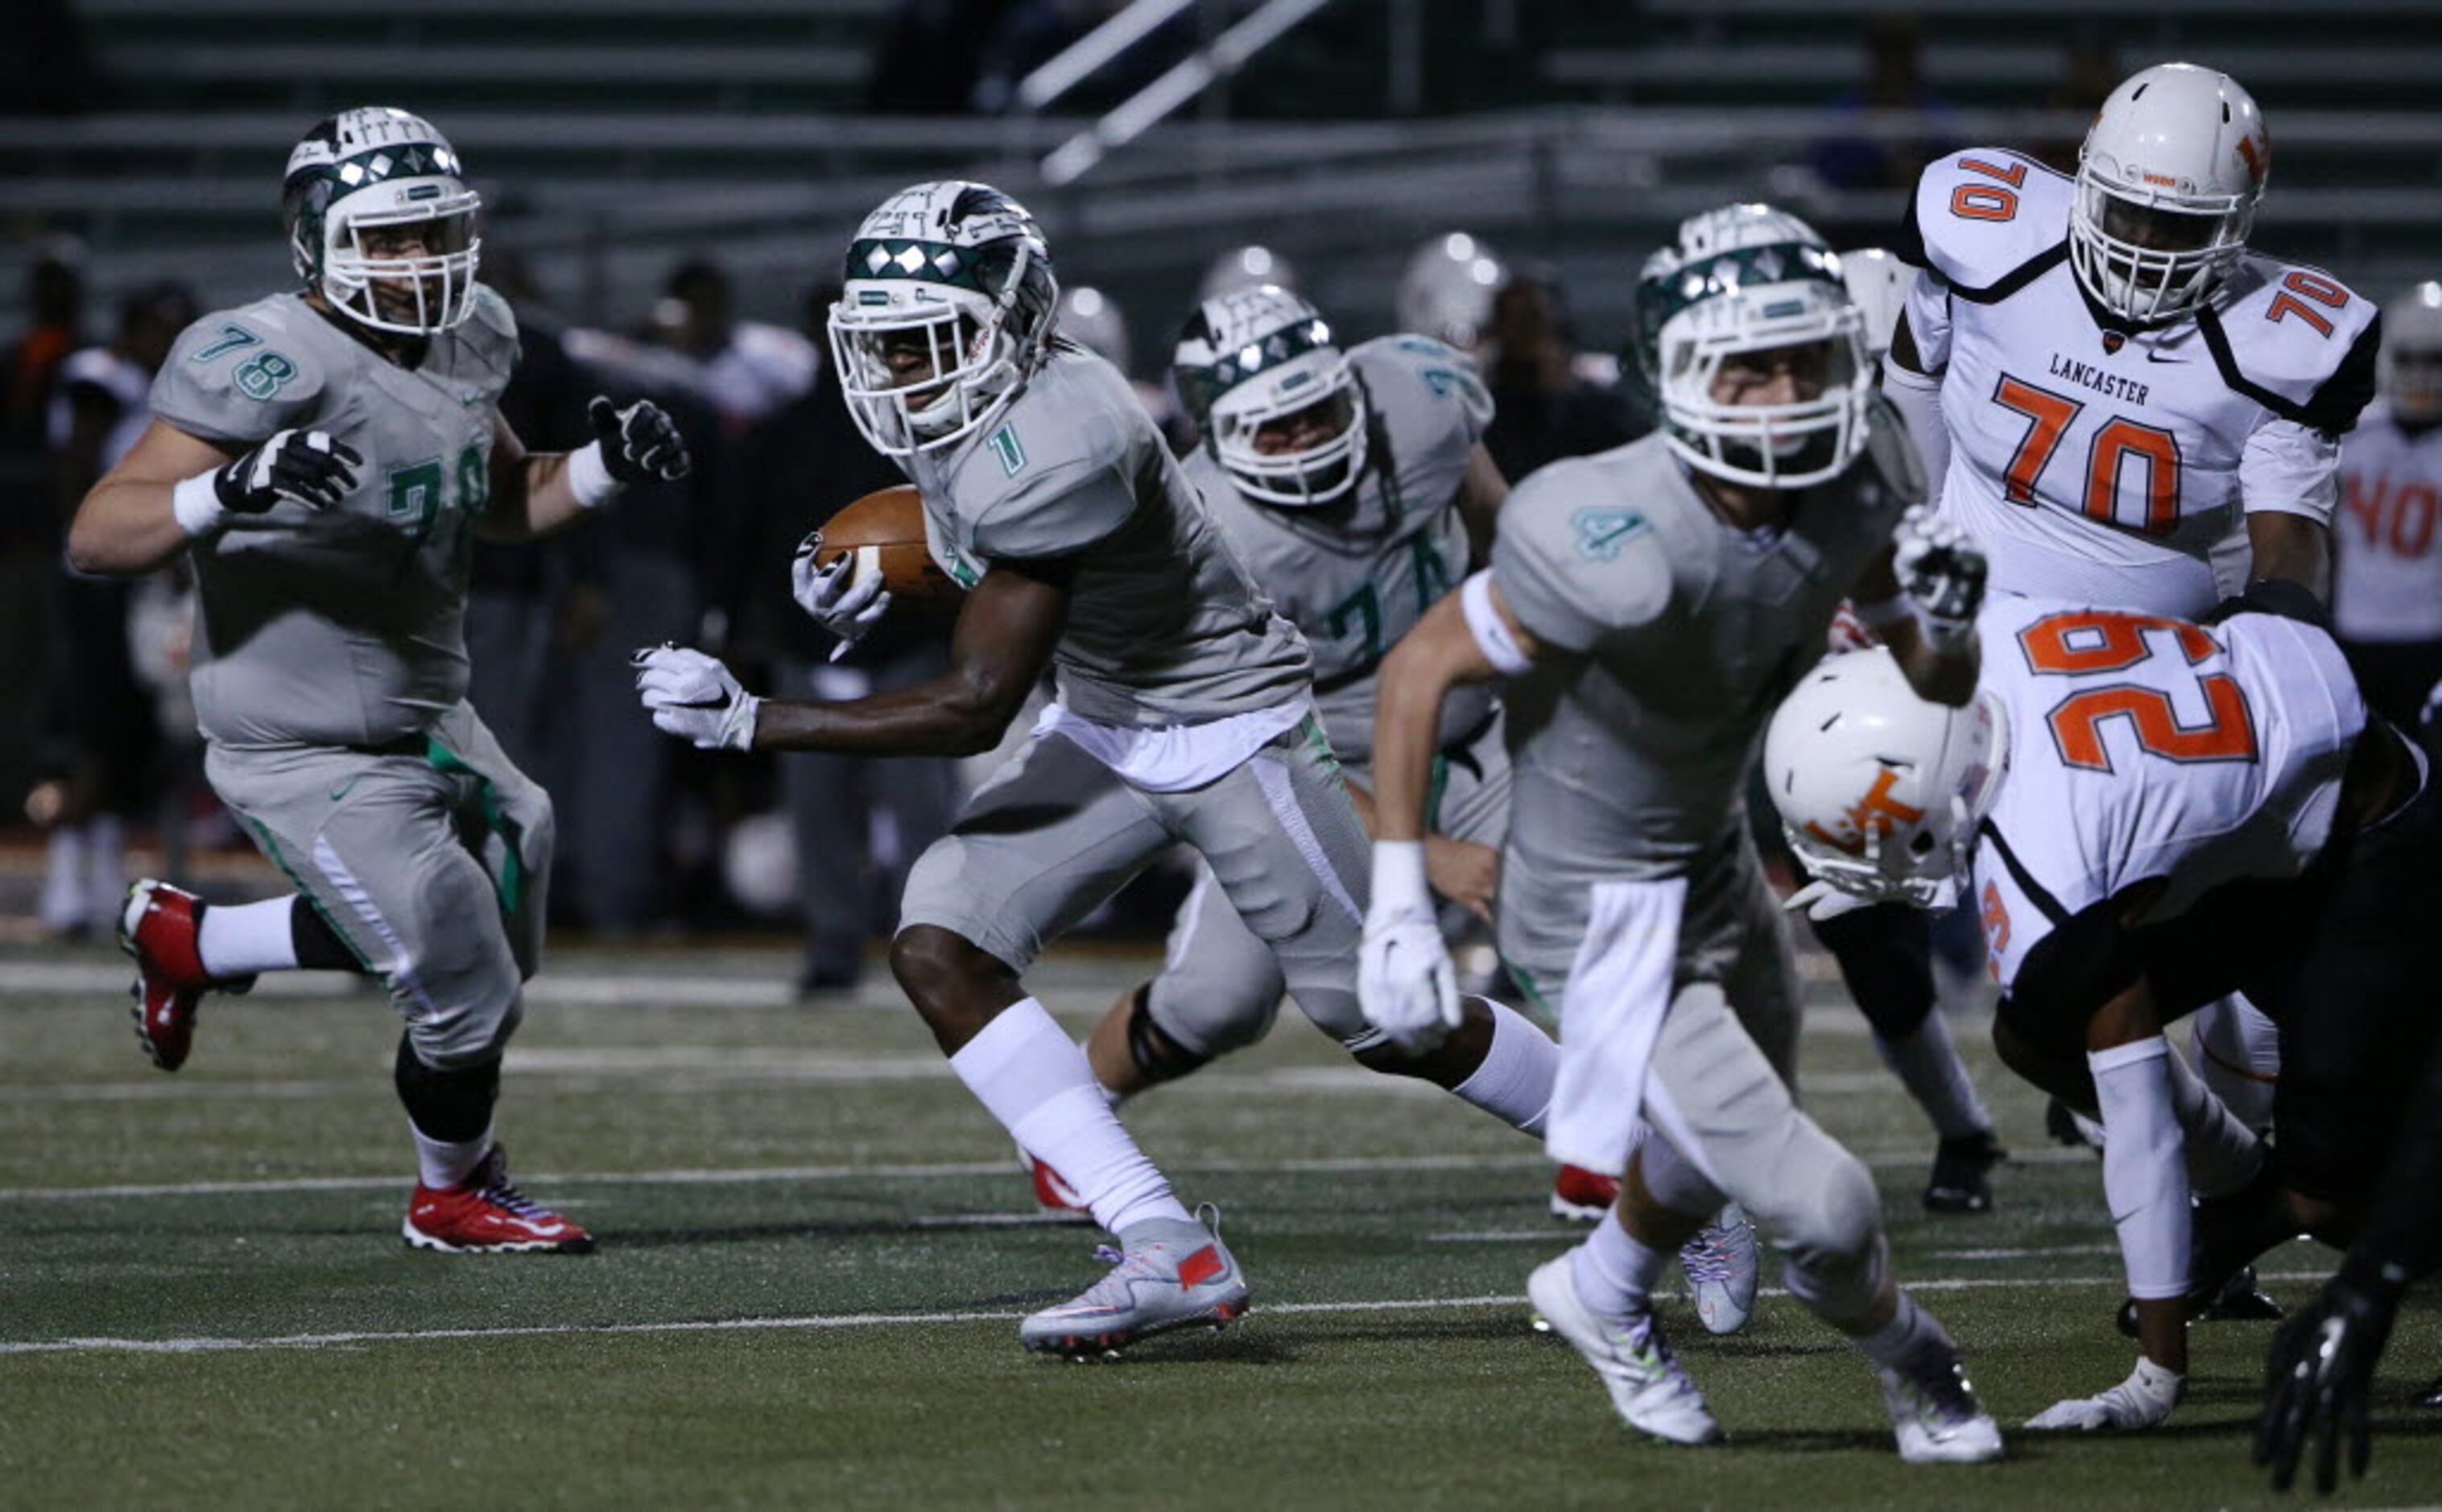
x=885, y=531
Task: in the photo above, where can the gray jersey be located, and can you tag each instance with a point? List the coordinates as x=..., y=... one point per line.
x=1165, y=626
x=342, y=625
x=1356, y=576
x=1673, y=637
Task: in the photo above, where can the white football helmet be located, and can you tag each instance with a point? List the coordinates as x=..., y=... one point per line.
x=1748, y=277
x=2166, y=190
x=945, y=311
x=1447, y=288
x=1879, y=283
x=360, y=184
x=1259, y=355
x=1093, y=320
x=2411, y=361
x=1880, y=791
x=1245, y=268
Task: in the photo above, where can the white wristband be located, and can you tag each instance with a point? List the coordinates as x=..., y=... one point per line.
x=1400, y=878
x=197, y=505
x=1492, y=637
x=589, y=477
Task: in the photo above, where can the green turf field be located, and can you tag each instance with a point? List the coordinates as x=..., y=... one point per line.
x=815, y=1249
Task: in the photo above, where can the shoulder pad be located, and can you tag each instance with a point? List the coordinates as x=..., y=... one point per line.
x=492, y=313
x=1390, y=363
x=240, y=374
x=2295, y=340
x=1577, y=556
x=1981, y=217
x=1892, y=451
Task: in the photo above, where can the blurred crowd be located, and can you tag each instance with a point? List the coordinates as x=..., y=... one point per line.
x=654, y=839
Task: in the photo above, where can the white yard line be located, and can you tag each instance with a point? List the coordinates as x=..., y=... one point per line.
x=822, y=1322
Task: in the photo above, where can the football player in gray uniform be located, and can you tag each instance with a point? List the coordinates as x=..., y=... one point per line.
x=326, y=460
x=1186, y=714
x=1648, y=607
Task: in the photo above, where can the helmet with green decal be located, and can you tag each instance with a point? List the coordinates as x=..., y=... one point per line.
x=381, y=222
x=1279, y=406
x=1737, y=288
x=946, y=310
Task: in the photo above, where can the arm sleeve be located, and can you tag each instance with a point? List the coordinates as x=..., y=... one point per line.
x=234, y=386
x=1061, y=513
x=2291, y=468
x=1928, y=314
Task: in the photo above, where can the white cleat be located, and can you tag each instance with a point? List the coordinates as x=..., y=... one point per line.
x=1938, y=1419
x=1648, y=1386
x=1167, y=1275
x=1720, y=1267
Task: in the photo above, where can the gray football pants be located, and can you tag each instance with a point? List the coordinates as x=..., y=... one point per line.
x=1054, y=834
x=430, y=861
x=1720, y=1086
x=1219, y=990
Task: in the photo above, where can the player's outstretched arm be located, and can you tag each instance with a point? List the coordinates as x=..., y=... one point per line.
x=172, y=488
x=1922, y=597
x=1006, y=628
x=534, y=494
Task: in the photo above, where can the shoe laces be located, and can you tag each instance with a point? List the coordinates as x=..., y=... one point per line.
x=1711, y=1257
x=498, y=1190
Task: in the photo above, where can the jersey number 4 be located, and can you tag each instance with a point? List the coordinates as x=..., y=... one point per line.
x=2089, y=643
x=2118, y=444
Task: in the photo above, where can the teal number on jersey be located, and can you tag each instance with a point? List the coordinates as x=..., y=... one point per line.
x=415, y=493
x=263, y=375
x=1432, y=574
x=419, y=492
x=1004, y=445
x=1363, y=607
x=232, y=338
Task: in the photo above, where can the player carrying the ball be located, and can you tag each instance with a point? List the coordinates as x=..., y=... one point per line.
x=1186, y=714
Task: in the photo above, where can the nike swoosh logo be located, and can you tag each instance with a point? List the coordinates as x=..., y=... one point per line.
x=343, y=789
x=2156, y=356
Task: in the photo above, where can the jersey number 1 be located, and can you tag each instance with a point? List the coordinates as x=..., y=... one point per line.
x=2116, y=444
x=2086, y=643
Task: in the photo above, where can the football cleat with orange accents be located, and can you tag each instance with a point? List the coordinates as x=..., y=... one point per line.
x=159, y=927
x=1580, y=1196
x=486, y=1214
x=1054, y=1198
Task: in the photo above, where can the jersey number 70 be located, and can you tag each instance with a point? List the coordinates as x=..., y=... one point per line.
x=2118, y=443
x=2086, y=642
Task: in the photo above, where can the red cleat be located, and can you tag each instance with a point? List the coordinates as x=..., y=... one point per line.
x=159, y=927
x=1581, y=1195
x=1056, y=1197
x=486, y=1214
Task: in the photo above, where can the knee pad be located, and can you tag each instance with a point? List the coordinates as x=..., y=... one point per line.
x=1831, y=1220
x=454, y=1103
x=1159, y=1054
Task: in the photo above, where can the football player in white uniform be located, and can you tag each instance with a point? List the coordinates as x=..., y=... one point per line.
x=2387, y=593
x=2110, y=383
x=2149, y=813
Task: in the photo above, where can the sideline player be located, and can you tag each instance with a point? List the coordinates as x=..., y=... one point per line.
x=2387, y=587
x=1186, y=714
x=2157, y=812
x=326, y=461
x=2120, y=385
x=1647, y=607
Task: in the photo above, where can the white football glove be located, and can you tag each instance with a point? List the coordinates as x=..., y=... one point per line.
x=1943, y=573
x=832, y=595
x=1404, y=984
x=2141, y=1401
x=1822, y=901
x=692, y=696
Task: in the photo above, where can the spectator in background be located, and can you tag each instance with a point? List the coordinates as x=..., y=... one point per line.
x=748, y=369
x=29, y=520
x=1851, y=157
x=1548, y=401
x=105, y=749
x=2387, y=535
x=858, y=822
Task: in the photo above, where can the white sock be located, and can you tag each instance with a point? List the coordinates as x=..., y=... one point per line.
x=2144, y=1177
x=63, y=904
x=1614, y=1271
x=2223, y=1153
x=1039, y=1085
x=1913, y=1342
x=239, y=940
x=446, y=1163
x=1928, y=1065
x=1514, y=1084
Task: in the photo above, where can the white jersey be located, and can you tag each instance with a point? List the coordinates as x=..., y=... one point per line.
x=2101, y=463
x=2387, y=542
x=122, y=381
x=2143, y=747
